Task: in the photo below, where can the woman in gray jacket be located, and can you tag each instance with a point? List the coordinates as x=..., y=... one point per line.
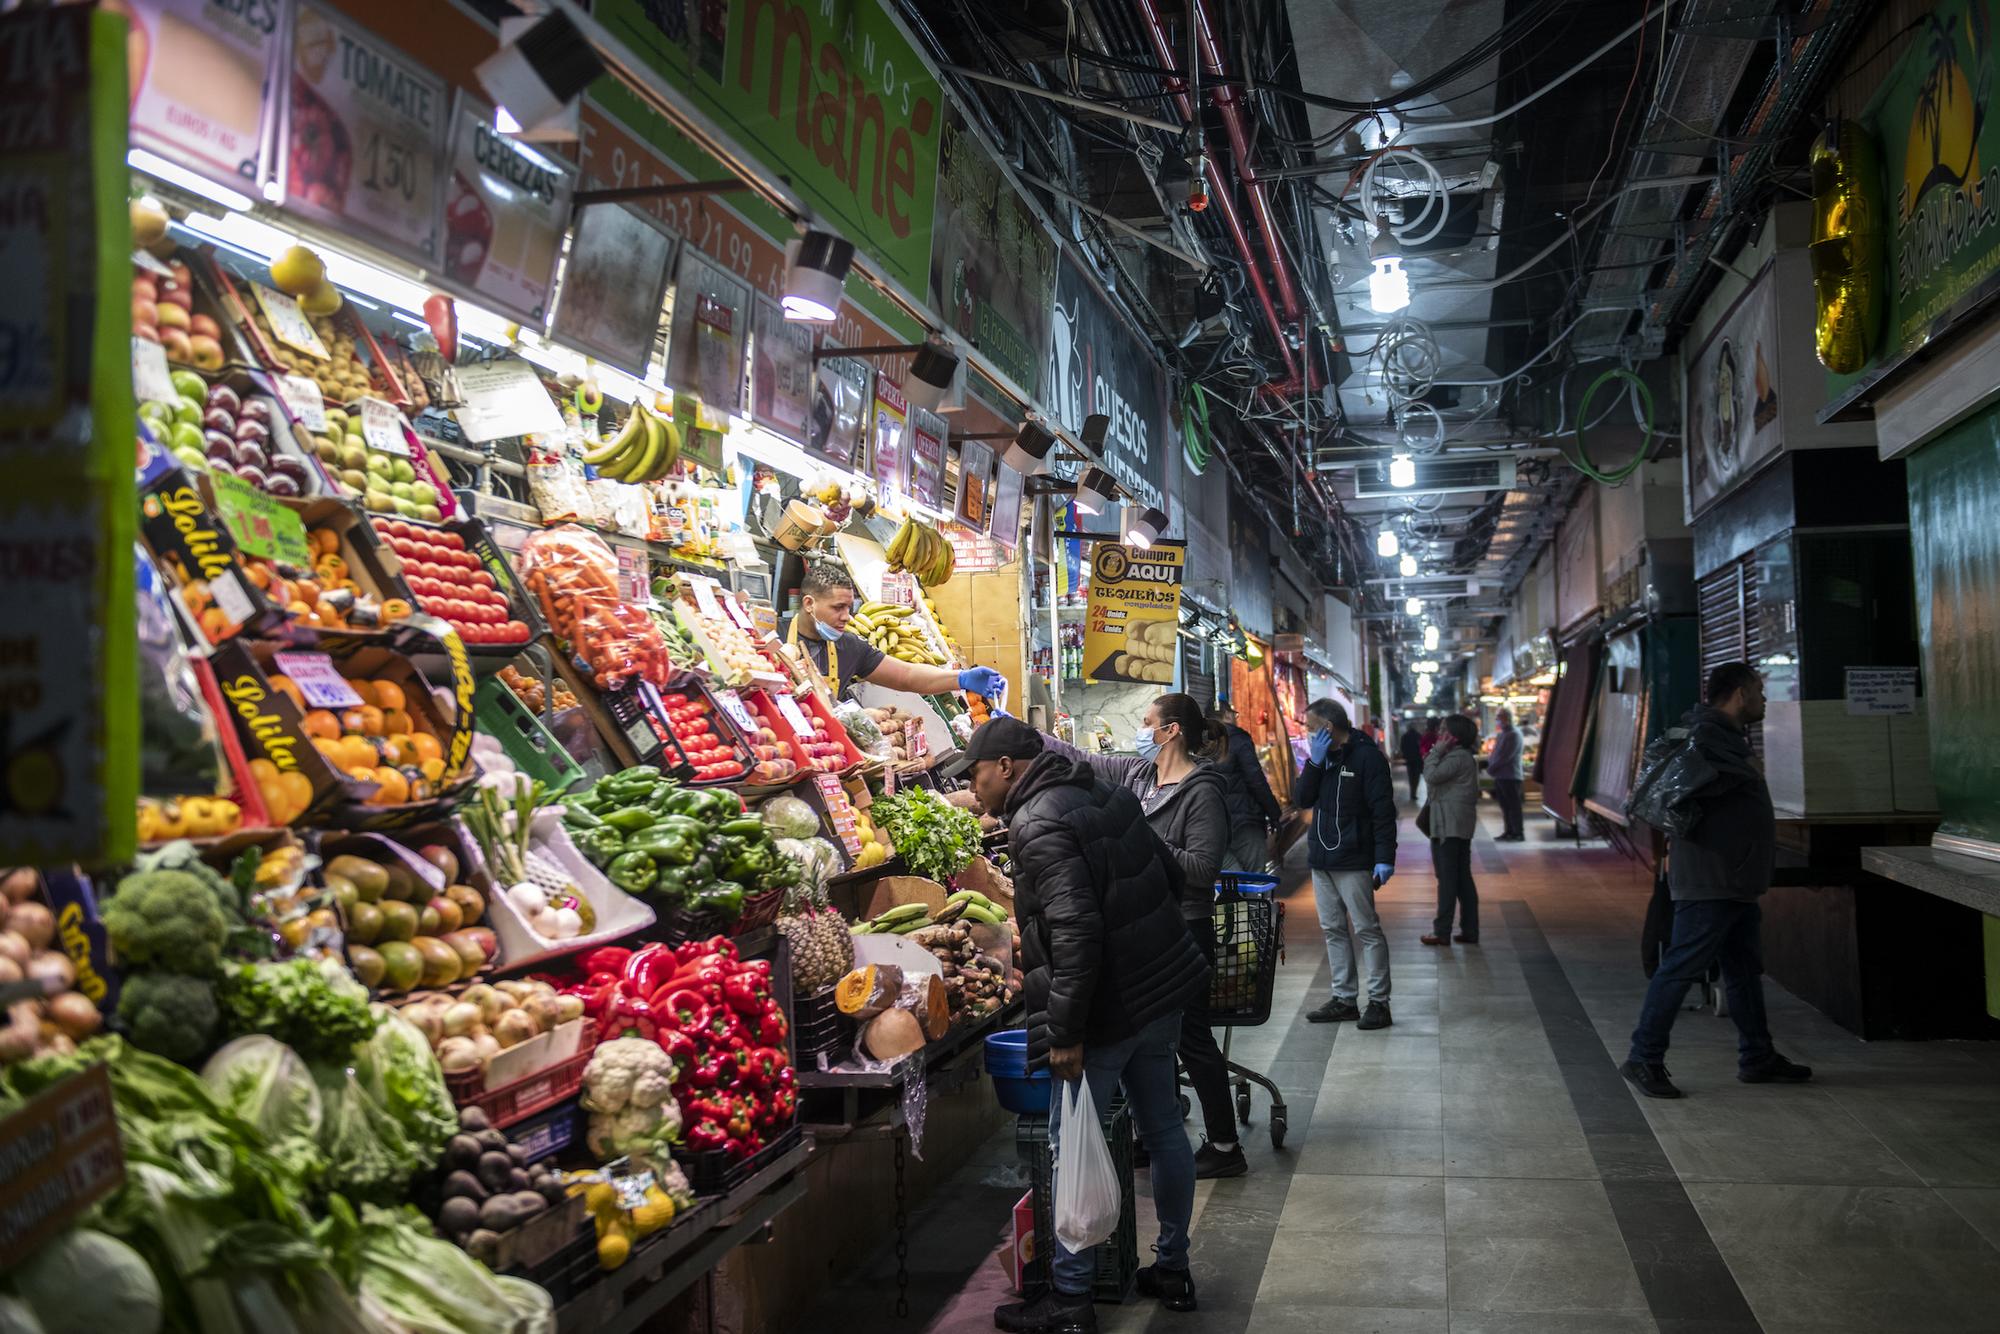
x=1181, y=789
x=1453, y=778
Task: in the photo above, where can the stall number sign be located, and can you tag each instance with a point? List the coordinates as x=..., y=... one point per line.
x=1881, y=691
x=318, y=680
x=382, y=427
x=261, y=524
x=59, y=1155
x=151, y=380
x=289, y=324
x=302, y=398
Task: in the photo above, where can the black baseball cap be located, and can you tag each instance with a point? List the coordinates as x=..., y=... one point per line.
x=998, y=737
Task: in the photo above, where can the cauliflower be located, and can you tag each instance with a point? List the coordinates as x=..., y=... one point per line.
x=628, y=1089
x=166, y=919
x=645, y=1131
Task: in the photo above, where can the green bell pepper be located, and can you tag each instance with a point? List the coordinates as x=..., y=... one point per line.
x=673, y=884
x=747, y=826
x=579, y=816
x=601, y=845
x=717, y=806
x=633, y=872
x=629, y=819
x=665, y=845
x=724, y=897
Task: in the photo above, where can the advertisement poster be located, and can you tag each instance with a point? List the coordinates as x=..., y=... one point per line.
x=363, y=138
x=710, y=333
x=974, y=505
x=1732, y=399
x=506, y=208
x=833, y=98
x=1099, y=363
x=781, y=371
x=923, y=472
x=993, y=265
x=1134, y=617
x=842, y=393
x=892, y=421
x=613, y=287
x=1007, y=496
x=198, y=73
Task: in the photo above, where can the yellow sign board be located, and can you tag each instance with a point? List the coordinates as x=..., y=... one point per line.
x=1135, y=613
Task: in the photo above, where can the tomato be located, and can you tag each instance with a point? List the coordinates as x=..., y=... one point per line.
x=451, y=539
x=517, y=631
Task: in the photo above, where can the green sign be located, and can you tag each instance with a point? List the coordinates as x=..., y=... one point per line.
x=993, y=266
x=261, y=523
x=831, y=97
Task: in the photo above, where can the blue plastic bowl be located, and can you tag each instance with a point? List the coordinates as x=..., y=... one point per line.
x=1019, y=1092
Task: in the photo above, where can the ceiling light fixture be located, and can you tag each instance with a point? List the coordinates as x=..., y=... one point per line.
x=1402, y=471
x=1028, y=452
x=1409, y=566
x=816, y=266
x=1388, y=282
x=175, y=174
x=1413, y=606
x=1146, y=529
x=1430, y=638
x=1386, y=544
x=1094, y=491
x=535, y=76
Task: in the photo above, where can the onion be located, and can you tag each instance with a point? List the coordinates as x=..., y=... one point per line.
x=34, y=923
x=14, y=947
x=49, y=966
x=23, y=1033
x=75, y=1015
x=20, y=883
x=528, y=898
x=428, y=1020
x=568, y=1008
x=461, y=1019
x=568, y=923
x=513, y=1028
x=488, y=1045
x=489, y=1001
x=458, y=1053
x=9, y=971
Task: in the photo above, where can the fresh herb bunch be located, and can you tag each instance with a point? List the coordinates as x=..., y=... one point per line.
x=936, y=839
x=299, y=1005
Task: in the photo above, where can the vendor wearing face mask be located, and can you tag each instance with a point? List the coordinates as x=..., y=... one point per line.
x=826, y=604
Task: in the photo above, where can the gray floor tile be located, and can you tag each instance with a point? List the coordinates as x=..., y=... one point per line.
x=1365, y=1151
x=1550, y=1322
x=1532, y=1274
x=1384, y=1047
x=1529, y=1208
x=1856, y=1159
x=1353, y=1269
x=1860, y=1216
x=1412, y=1206
x=1981, y=1208
x=1483, y=1154
x=1854, y=1288
x=1314, y=1318
x=1361, y=1101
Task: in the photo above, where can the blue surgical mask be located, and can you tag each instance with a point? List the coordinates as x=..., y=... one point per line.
x=1143, y=742
x=826, y=632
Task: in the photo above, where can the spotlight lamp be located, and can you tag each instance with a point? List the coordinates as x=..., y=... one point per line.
x=1095, y=490
x=1413, y=606
x=932, y=371
x=1430, y=638
x=816, y=266
x=1028, y=452
x=1146, y=529
x=1388, y=281
x=534, y=78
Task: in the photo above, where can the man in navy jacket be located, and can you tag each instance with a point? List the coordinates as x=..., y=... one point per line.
x=1351, y=848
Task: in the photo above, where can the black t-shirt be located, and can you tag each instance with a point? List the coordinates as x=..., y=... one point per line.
x=857, y=657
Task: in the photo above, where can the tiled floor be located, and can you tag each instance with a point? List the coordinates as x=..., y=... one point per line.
x=1480, y=1168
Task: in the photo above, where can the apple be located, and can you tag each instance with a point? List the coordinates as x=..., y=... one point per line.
x=284, y=465
x=145, y=311
x=144, y=288
x=219, y=419
x=222, y=396
x=186, y=435
x=179, y=295
x=182, y=273
x=204, y=324
x=219, y=447
x=250, y=429
x=146, y=331
x=254, y=476
x=175, y=341
x=252, y=456
x=205, y=352
x=170, y=315
x=278, y=484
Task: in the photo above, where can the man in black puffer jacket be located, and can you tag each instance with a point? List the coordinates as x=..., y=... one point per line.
x=1109, y=966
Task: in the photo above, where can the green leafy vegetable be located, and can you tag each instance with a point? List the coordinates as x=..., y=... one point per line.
x=267, y=1084
x=83, y=1282
x=936, y=838
x=430, y=1286
x=168, y=1014
x=299, y=1005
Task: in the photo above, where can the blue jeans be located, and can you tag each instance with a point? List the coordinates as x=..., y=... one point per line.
x=1706, y=932
x=1144, y=1064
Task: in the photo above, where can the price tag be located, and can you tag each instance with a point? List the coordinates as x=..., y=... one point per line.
x=59, y=1154
x=302, y=398
x=382, y=427
x=234, y=599
x=739, y=615
x=839, y=812
x=794, y=716
x=732, y=704
x=261, y=524
x=151, y=264
x=504, y=397
x=920, y=744
x=318, y=680
x=704, y=596
x=151, y=380
x=289, y=324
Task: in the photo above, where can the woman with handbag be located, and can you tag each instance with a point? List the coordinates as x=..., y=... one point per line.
x=1450, y=817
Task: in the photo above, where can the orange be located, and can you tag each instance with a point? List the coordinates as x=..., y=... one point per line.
x=426, y=746
x=332, y=569
x=260, y=574
x=263, y=771
x=215, y=623
x=276, y=803
x=320, y=723
x=297, y=787
x=390, y=695
x=405, y=752
x=325, y=542
x=196, y=596
x=395, y=787
x=432, y=769
x=365, y=689
x=306, y=591
x=358, y=752
x=372, y=720
x=329, y=613
x=283, y=685
x=334, y=748
x=395, y=720
x=395, y=609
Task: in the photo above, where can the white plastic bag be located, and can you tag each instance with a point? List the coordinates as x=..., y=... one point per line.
x=1087, y=1194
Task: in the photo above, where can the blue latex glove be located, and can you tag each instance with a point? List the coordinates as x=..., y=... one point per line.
x=1318, y=744
x=1383, y=870
x=982, y=681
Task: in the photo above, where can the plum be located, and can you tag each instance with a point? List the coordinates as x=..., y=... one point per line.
x=256, y=410
x=286, y=466
x=222, y=396
x=254, y=476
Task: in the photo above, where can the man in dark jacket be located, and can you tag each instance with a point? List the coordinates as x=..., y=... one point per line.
x=1504, y=764
x=1716, y=875
x=1109, y=965
x=1347, y=786
x=1253, y=808
x=1412, y=747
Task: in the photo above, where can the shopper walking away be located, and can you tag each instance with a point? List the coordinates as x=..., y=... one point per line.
x=1352, y=851
x=1716, y=875
x=1178, y=779
x=1504, y=766
x=1413, y=754
x=1109, y=965
x=1255, y=817
x=1429, y=738
x=1453, y=776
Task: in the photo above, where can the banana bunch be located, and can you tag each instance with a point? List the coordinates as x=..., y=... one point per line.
x=644, y=449
x=923, y=551
x=893, y=630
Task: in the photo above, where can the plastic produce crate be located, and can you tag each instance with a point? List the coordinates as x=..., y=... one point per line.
x=500, y=714
x=819, y=1027
x=524, y=1097
x=1117, y=1255
x=715, y=1174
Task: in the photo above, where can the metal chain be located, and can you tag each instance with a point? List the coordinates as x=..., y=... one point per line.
x=902, y=1240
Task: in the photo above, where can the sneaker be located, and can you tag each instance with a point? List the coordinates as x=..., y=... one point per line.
x=1213, y=1164
x=1777, y=1070
x=1051, y=1313
x=1650, y=1080
x=1174, y=1287
x=1377, y=1016
x=1333, y=1012
x=1464, y=939
x=1435, y=940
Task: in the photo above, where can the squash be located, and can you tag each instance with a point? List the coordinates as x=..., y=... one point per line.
x=931, y=1005
x=892, y=1035
x=869, y=990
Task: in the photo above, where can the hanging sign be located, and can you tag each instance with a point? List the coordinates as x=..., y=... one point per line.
x=362, y=148
x=1882, y=690
x=261, y=524
x=892, y=417
x=289, y=324
x=503, y=397
x=1097, y=363
x=507, y=205
x=1133, y=621
x=711, y=321
x=923, y=461
x=613, y=285
x=701, y=432
x=383, y=428
x=198, y=73
x=841, y=396
x=975, y=485
x=59, y=1154
x=781, y=371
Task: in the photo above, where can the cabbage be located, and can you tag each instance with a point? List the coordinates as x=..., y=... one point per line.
x=267, y=1084
x=83, y=1282
x=402, y=1074
x=789, y=817
x=429, y=1286
x=16, y=1318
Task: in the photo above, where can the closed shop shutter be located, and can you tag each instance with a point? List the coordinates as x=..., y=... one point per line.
x=1197, y=671
x=1729, y=623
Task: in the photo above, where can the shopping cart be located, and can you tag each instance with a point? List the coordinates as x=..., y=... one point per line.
x=1249, y=945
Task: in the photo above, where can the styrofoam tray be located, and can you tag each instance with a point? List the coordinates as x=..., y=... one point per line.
x=618, y=913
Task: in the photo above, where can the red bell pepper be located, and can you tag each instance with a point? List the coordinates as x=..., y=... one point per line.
x=706, y=1137
x=683, y=1007
x=771, y=1027
x=722, y=1025
x=632, y=1017
x=705, y=1071
x=739, y=1123
x=606, y=959
x=761, y=968
x=743, y=994
x=694, y=949
x=676, y=1044
x=758, y=1066
x=782, y=1108
x=649, y=969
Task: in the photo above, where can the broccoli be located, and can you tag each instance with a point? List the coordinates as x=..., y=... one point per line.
x=166, y=919
x=168, y=1014
x=181, y=855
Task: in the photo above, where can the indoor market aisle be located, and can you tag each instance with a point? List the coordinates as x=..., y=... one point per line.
x=1481, y=1168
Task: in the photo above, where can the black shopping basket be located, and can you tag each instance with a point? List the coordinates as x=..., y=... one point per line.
x=1249, y=944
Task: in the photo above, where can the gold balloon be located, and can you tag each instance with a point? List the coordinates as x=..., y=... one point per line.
x=1846, y=247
